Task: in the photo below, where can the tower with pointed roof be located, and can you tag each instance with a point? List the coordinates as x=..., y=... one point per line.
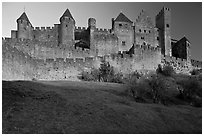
x=67, y=27
x=24, y=27
x=122, y=27
x=163, y=23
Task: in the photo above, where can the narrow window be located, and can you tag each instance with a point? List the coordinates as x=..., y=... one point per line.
x=142, y=38
x=140, y=30
x=149, y=31
x=34, y=36
x=123, y=43
x=167, y=25
x=48, y=36
x=157, y=38
x=144, y=31
x=66, y=25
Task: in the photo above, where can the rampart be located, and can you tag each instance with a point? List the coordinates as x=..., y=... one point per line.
x=46, y=34
x=46, y=50
x=179, y=65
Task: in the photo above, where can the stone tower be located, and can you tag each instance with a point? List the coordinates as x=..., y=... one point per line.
x=122, y=27
x=163, y=23
x=24, y=27
x=91, y=28
x=67, y=26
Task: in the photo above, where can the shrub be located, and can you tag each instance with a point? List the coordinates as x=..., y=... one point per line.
x=195, y=72
x=116, y=78
x=106, y=71
x=104, y=74
x=150, y=90
x=167, y=70
x=192, y=91
x=133, y=77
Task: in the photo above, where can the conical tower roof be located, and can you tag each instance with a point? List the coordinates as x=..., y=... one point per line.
x=23, y=17
x=122, y=18
x=67, y=14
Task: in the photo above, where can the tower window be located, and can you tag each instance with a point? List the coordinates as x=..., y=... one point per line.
x=149, y=31
x=34, y=36
x=144, y=31
x=123, y=43
x=167, y=25
x=157, y=38
x=140, y=30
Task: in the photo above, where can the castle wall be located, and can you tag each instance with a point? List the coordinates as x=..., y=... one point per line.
x=46, y=34
x=18, y=65
x=43, y=50
x=105, y=43
x=179, y=65
x=144, y=59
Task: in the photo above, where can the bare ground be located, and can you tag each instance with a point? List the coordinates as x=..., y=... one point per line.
x=88, y=107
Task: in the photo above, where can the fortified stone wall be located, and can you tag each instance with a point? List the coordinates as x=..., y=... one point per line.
x=179, y=65
x=105, y=42
x=144, y=59
x=46, y=50
x=17, y=65
x=46, y=34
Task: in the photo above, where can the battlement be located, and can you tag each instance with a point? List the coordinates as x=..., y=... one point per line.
x=43, y=28
x=102, y=30
x=147, y=47
x=162, y=12
x=80, y=28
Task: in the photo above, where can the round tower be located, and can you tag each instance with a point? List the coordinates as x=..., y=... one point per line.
x=67, y=26
x=91, y=28
x=24, y=27
x=92, y=23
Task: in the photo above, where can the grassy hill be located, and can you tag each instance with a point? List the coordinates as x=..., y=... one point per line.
x=88, y=107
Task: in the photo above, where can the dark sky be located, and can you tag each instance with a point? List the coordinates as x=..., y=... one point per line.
x=186, y=17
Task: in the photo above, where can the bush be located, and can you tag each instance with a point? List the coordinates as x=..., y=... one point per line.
x=116, y=78
x=106, y=71
x=167, y=70
x=104, y=74
x=192, y=91
x=195, y=72
x=133, y=77
x=150, y=90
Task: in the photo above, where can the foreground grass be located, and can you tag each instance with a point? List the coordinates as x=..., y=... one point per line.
x=88, y=107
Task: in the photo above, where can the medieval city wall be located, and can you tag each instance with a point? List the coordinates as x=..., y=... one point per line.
x=44, y=50
x=46, y=34
x=105, y=42
x=179, y=65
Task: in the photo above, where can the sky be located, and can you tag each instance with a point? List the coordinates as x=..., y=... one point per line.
x=186, y=16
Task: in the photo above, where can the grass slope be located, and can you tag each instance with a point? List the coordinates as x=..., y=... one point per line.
x=88, y=107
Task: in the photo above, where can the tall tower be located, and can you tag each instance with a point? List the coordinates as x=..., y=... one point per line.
x=123, y=28
x=91, y=28
x=24, y=27
x=163, y=23
x=67, y=26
